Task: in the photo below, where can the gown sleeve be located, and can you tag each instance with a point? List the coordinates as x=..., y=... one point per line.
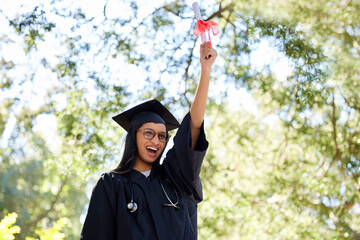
x=106, y=217
x=100, y=218
x=184, y=163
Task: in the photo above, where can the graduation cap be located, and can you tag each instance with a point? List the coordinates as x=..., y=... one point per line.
x=150, y=111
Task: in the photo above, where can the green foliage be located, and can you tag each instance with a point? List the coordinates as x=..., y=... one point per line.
x=33, y=25
x=7, y=230
x=289, y=169
x=267, y=181
x=53, y=233
x=4, y=113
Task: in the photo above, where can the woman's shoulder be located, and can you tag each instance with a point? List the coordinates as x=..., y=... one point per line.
x=111, y=177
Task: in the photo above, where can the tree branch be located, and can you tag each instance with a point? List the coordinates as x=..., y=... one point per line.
x=186, y=73
x=46, y=212
x=104, y=10
x=221, y=10
x=334, y=128
x=334, y=135
x=348, y=103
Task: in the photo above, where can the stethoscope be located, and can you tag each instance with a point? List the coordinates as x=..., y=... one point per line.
x=132, y=206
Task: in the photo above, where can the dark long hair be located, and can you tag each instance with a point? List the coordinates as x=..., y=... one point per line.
x=128, y=159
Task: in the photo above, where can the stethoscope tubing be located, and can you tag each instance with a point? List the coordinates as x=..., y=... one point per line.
x=132, y=206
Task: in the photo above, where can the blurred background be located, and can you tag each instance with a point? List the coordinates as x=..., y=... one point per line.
x=282, y=116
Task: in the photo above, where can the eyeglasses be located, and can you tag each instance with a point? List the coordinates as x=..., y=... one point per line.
x=150, y=134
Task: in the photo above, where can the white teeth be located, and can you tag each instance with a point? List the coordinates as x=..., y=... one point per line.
x=154, y=149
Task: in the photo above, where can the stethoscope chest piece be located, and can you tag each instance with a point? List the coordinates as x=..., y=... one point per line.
x=132, y=206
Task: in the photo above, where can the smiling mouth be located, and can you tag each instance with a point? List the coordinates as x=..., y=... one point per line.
x=151, y=150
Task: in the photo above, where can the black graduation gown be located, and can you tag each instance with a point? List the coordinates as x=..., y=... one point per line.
x=109, y=218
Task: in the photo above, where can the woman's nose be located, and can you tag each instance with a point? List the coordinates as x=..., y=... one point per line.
x=156, y=139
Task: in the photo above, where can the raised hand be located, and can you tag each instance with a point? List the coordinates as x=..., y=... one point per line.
x=207, y=56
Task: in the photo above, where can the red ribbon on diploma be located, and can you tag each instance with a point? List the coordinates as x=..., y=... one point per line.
x=201, y=26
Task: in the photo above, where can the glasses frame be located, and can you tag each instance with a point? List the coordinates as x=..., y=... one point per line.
x=168, y=135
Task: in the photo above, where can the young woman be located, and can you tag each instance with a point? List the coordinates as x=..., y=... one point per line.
x=141, y=198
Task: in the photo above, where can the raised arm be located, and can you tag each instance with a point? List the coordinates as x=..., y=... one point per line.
x=197, y=109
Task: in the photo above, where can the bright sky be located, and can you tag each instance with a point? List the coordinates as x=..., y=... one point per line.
x=263, y=54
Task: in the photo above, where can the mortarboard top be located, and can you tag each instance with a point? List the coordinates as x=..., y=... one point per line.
x=153, y=106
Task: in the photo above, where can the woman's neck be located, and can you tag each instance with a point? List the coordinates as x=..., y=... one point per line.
x=142, y=166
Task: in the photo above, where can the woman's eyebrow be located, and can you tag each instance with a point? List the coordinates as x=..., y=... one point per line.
x=154, y=130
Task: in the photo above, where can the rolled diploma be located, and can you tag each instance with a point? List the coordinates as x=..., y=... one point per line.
x=196, y=8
